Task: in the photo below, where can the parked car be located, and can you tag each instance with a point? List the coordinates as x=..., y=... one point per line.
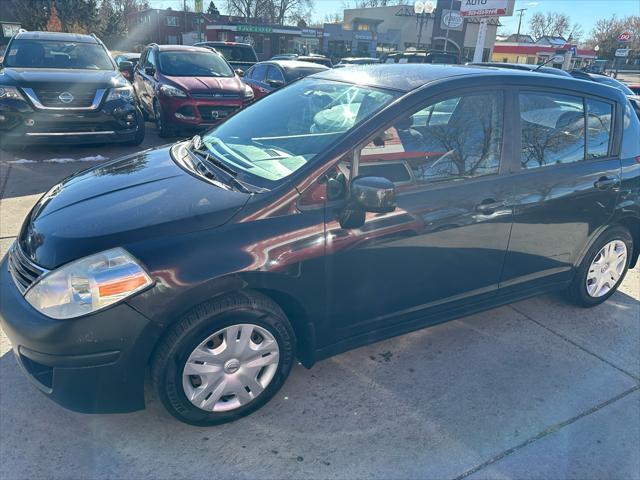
x=312, y=58
x=420, y=56
x=336, y=212
x=187, y=88
x=635, y=88
x=64, y=88
x=350, y=61
x=524, y=66
x=241, y=56
x=596, y=77
x=127, y=71
x=266, y=77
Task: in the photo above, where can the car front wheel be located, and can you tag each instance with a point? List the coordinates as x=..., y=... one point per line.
x=224, y=360
x=603, y=268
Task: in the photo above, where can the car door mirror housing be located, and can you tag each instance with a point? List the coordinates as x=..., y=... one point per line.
x=239, y=72
x=373, y=194
x=126, y=68
x=150, y=71
x=275, y=83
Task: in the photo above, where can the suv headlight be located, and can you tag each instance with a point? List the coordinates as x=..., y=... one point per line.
x=10, y=93
x=170, y=91
x=87, y=285
x=248, y=92
x=121, y=93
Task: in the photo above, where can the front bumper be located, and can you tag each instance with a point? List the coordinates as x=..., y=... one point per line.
x=198, y=113
x=21, y=124
x=92, y=364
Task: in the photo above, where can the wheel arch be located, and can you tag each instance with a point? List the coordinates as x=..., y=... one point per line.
x=633, y=225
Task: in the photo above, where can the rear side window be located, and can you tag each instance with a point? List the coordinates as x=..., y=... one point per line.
x=258, y=73
x=599, y=121
x=553, y=129
x=630, y=134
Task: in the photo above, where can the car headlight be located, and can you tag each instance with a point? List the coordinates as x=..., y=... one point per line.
x=170, y=91
x=10, y=93
x=87, y=285
x=248, y=92
x=121, y=93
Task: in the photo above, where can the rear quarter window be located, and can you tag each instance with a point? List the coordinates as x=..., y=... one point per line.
x=630, y=134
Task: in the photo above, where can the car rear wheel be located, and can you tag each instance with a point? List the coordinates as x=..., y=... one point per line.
x=603, y=268
x=162, y=128
x=224, y=360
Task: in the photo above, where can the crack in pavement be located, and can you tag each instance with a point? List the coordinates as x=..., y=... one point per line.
x=575, y=344
x=547, y=431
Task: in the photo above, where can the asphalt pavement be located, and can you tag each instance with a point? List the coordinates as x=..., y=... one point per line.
x=539, y=389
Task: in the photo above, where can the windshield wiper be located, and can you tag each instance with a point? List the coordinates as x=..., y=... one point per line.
x=199, y=150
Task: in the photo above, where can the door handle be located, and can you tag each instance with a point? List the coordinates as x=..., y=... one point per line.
x=607, y=183
x=489, y=206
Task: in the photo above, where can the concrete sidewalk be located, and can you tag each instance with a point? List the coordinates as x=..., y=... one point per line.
x=539, y=389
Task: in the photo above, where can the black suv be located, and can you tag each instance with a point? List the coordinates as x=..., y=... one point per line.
x=65, y=88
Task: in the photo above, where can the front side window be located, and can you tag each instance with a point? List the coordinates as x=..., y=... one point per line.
x=553, y=129
x=453, y=139
x=269, y=147
x=599, y=120
x=193, y=64
x=57, y=54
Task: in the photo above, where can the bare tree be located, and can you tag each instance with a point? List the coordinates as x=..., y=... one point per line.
x=606, y=30
x=553, y=24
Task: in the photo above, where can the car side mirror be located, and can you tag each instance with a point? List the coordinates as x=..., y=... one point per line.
x=373, y=194
x=239, y=72
x=150, y=71
x=275, y=83
x=126, y=68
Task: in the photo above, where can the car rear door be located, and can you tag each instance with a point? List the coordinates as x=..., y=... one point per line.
x=444, y=245
x=565, y=187
x=255, y=78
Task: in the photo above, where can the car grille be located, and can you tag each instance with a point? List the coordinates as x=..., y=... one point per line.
x=216, y=112
x=215, y=95
x=23, y=270
x=50, y=97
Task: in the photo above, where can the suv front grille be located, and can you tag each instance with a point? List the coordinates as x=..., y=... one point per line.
x=51, y=97
x=208, y=95
x=23, y=271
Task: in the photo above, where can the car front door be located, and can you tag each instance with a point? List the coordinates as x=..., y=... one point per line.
x=255, y=78
x=147, y=80
x=566, y=188
x=444, y=245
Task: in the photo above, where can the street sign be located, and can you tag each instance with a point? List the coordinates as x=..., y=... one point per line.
x=486, y=8
x=622, y=52
x=625, y=37
x=574, y=50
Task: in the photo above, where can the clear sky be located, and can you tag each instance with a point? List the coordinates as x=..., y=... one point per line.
x=584, y=12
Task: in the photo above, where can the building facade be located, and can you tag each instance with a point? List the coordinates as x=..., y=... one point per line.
x=370, y=32
x=164, y=27
x=534, y=54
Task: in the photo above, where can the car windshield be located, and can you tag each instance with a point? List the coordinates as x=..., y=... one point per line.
x=193, y=64
x=271, y=147
x=57, y=54
x=616, y=84
x=234, y=53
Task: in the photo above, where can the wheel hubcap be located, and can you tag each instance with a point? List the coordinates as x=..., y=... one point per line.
x=606, y=268
x=230, y=368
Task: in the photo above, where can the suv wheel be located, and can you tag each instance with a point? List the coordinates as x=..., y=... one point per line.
x=161, y=125
x=139, y=138
x=224, y=360
x=603, y=268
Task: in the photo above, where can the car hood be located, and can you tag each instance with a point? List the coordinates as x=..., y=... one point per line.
x=140, y=197
x=209, y=84
x=30, y=77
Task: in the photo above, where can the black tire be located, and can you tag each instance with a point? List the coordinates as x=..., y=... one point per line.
x=139, y=138
x=164, y=131
x=195, y=327
x=577, y=292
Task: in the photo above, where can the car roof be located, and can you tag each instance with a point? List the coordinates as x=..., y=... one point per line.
x=182, y=48
x=410, y=76
x=59, y=36
x=293, y=64
x=524, y=66
x=221, y=44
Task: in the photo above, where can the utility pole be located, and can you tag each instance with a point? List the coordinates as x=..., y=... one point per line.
x=521, y=10
x=446, y=39
x=184, y=20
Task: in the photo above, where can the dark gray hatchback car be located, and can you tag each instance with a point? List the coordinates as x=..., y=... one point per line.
x=350, y=206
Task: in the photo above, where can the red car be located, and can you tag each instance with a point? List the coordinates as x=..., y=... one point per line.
x=635, y=88
x=187, y=88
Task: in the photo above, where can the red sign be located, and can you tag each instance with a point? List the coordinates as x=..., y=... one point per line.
x=624, y=37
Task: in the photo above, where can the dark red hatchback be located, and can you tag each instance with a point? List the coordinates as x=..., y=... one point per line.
x=187, y=88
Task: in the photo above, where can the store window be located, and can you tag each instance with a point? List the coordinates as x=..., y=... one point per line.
x=171, y=21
